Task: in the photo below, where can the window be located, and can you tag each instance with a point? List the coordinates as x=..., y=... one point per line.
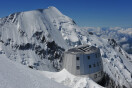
x=96, y=55
x=95, y=76
x=77, y=58
x=88, y=57
x=100, y=63
x=97, y=63
x=89, y=66
x=78, y=67
x=94, y=65
x=99, y=55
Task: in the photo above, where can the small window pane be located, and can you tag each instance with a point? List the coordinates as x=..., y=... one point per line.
x=88, y=57
x=96, y=55
x=97, y=63
x=89, y=66
x=100, y=63
x=78, y=67
x=77, y=58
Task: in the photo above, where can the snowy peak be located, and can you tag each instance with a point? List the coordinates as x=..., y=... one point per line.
x=50, y=12
x=54, y=10
x=31, y=36
x=42, y=20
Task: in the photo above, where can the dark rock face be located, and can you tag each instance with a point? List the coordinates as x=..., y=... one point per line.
x=109, y=82
x=26, y=46
x=114, y=45
x=37, y=35
x=55, y=54
x=112, y=42
x=91, y=33
x=53, y=51
x=41, y=47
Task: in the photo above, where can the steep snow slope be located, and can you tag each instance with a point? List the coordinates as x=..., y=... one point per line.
x=38, y=38
x=29, y=37
x=14, y=75
x=23, y=25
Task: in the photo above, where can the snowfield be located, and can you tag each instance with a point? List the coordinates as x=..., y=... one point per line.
x=38, y=38
x=70, y=80
x=14, y=75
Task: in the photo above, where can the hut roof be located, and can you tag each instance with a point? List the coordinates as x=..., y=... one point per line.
x=86, y=49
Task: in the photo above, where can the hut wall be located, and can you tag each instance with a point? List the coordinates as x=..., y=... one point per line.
x=69, y=63
x=81, y=66
x=82, y=69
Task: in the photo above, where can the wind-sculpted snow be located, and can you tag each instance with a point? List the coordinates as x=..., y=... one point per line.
x=14, y=75
x=72, y=81
x=38, y=39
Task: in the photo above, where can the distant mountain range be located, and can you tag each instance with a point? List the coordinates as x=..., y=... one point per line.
x=123, y=36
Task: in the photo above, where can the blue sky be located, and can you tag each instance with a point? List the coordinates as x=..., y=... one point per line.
x=92, y=13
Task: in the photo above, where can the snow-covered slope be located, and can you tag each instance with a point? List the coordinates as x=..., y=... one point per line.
x=14, y=75
x=38, y=38
x=29, y=37
x=70, y=80
x=21, y=27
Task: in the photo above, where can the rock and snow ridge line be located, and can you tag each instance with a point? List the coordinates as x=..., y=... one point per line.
x=123, y=36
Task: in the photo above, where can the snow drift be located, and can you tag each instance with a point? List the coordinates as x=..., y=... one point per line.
x=14, y=75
